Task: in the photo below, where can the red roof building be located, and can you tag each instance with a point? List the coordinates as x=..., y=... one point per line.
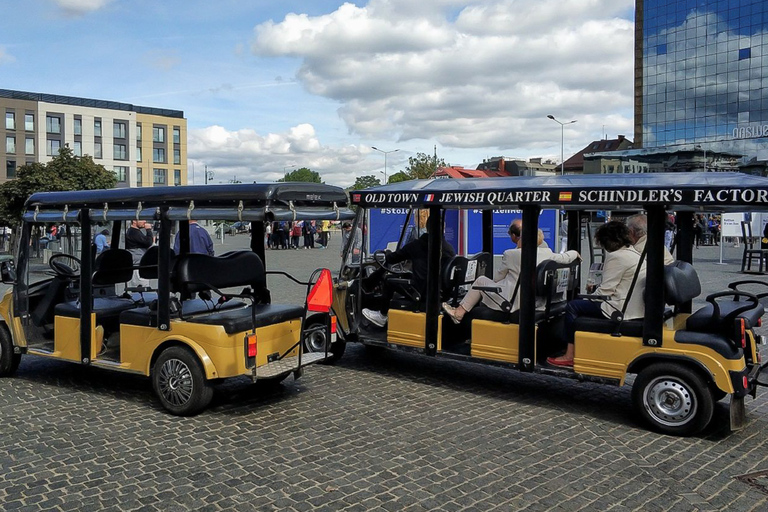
x=575, y=164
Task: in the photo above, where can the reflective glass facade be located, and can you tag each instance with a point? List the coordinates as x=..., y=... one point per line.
x=702, y=75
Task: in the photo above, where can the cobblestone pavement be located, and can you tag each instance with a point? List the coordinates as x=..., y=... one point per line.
x=376, y=431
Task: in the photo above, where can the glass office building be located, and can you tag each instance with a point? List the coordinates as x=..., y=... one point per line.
x=701, y=76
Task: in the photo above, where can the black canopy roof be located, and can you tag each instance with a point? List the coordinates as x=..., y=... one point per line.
x=258, y=201
x=712, y=191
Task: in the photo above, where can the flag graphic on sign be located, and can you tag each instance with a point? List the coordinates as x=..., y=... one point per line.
x=429, y=197
x=565, y=196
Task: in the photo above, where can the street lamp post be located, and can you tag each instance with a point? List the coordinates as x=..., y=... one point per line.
x=385, y=159
x=562, y=141
x=699, y=146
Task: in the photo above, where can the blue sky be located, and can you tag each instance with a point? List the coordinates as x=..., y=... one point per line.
x=267, y=86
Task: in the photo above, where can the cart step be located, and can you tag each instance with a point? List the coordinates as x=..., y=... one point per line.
x=287, y=364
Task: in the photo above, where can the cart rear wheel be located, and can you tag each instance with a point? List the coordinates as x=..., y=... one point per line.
x=179, y=382
x=673, y=399
x=9, y=361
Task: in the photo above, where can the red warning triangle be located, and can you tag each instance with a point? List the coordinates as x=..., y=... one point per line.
x=321, y=295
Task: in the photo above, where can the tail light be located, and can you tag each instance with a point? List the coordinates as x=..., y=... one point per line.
x=760, y=322
x=741, y=332
x=251, y=349
x=333, y=325
x=745, y=381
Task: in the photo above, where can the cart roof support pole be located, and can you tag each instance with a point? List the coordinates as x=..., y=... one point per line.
x=527, y=291
x=654, y=265
x=434, y=255
x=86, y=293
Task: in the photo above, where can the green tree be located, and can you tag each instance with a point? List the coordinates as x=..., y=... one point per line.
x=399, y=176
x=422, y=166
x=302, y=174
x=64, y=172
x=366, y=182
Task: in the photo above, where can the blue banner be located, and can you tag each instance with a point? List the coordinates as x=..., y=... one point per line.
x=386, y=224
x=501, y=221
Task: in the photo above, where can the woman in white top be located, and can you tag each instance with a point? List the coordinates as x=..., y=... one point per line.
x=506, y=278
x=619, y=268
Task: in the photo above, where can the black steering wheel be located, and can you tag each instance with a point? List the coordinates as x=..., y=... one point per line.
x=380, y=257
x=65, y=265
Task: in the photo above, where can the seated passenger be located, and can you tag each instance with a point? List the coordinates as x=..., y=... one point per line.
x=638, y=234
x=416, y=252
x=506, y=277
x=618, y=273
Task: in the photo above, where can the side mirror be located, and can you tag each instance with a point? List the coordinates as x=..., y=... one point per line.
x=8, y=272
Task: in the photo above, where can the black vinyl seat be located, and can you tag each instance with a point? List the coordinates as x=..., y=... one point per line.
x=234, y=315
x=239, y=320
x=194, y=273
x=104, y=307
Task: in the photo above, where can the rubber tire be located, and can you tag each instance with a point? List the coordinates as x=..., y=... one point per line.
x=9, y=362
x=337, y=348
x=202, y=392
x=689, y=383
x=717, y=393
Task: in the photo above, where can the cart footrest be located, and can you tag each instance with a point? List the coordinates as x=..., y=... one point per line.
x=287, y=364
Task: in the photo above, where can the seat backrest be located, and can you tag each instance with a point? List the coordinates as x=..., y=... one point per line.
x=681, y=283
x=454, y=272
x=113, y=266
x=554, y=280
x=746, y=232
x=479, y=265
x=148, y=263
x=200, y=272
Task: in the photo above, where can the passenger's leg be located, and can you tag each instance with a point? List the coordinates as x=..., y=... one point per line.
x=574, y=310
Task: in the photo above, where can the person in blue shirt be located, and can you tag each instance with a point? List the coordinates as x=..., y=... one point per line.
x=199, y=240
x=102, y=244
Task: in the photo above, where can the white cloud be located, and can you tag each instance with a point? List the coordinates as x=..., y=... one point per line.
x=78, y=7
x=244, y=154
x=467, y=74
x=5, y=57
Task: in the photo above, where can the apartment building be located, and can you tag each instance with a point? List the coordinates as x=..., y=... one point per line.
x=144, y=146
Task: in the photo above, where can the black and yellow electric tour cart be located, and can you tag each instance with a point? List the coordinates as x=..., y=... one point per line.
x=187, y=320
x=684, y=361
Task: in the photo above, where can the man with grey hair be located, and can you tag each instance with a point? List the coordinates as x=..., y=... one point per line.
x=638, y=233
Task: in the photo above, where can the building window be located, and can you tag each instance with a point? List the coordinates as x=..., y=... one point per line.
x=10, y=169
x=121, y=172
x=10, y=121
x=177, y=156
x=139, y=177
x=158, y=155
x=52, y=124
x=78, y=126
x=159, y=177
x=119, y=152
x=52, y=147
x=77, y=148
x=97, y=128
x=97, y=150
x=745, y=53
x=29, y=122
x=10, y=144
x=118, y=130
x=158, y=134
x=176, y=135
x=138, y=153
x=177, y=177
x=29, y=148
x=138, y=131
